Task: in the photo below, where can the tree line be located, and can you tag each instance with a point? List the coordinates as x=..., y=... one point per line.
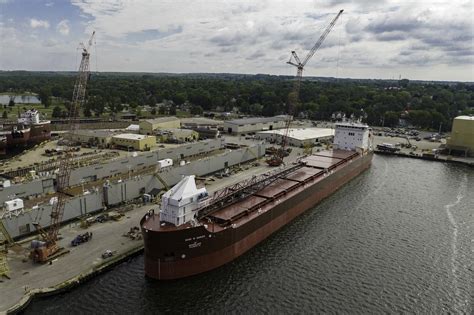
x=423, y=104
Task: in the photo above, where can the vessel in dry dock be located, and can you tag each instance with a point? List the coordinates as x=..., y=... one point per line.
x=194, y=232
x=28, y=131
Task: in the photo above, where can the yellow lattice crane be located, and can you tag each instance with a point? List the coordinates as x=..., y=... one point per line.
x=5, y=240
x=50, y=247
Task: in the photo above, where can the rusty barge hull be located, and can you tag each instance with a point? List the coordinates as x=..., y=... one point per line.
x=177, y=252
x=21, y=138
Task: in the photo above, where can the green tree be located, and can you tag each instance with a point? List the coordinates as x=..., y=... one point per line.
x=87, y=112
x=45, y=97
x=196, y=110
x=404, y=83
x=57, y=112
x=5, y=114
x=11, y=103
x=173, y=110
x=391, y=119
x=179, y=98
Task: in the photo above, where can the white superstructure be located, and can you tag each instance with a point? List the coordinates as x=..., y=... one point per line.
x=351, y=136
x=29, y=117
x=13, y=207
x=178, y=204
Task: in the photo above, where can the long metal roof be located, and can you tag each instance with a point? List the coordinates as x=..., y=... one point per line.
x=303, y=133
x=465, y=117
x=160, y=120
x=256, y=120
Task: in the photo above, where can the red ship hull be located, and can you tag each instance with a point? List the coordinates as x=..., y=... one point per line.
x=40, y=132
x=172, y=253
x=19, y=136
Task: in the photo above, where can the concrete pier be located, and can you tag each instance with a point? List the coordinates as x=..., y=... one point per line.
x=28, y=279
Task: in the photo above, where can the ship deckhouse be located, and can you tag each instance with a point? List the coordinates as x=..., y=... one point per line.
x=180, y=202
x=351, y=136
x=29, y=117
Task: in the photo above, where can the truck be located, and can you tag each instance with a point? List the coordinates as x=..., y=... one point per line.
x=81, y=238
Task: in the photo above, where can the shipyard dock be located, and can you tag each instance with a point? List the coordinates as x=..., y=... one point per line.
x=421, y=149
x=28, y=280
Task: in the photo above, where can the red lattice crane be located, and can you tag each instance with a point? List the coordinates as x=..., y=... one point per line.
x=293, y=97
x=50, y=248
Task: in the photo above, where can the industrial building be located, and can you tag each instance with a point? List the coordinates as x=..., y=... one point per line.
x=207, y=133
x=255, y=124
x=96, y=138
x=175, y=134
x=134, y=142
x=201, y=122
x=462, y=136
x=149, y=126
x=298, y=137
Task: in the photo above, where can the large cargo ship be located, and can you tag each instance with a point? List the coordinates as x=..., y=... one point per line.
x=28, y=131
x=194, y=232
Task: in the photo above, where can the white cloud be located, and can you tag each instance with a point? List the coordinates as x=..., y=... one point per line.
x=63, y=27
x=49, y=4
x=377, y=39
x=34, y=23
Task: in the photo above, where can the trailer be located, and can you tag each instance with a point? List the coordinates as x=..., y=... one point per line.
x=161, y=164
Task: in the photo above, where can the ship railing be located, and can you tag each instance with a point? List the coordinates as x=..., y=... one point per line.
x=343, y=161
x=237, y=192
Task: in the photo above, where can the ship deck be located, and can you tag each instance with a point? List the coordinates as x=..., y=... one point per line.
x=240, y=212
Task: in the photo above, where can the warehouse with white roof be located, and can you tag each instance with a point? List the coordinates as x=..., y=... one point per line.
x=254, y=124
x=298, y=137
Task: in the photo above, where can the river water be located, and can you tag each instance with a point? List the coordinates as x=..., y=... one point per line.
x=397, y=239
x=22, y=99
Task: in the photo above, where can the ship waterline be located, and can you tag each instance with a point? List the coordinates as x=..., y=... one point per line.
x=172, y=253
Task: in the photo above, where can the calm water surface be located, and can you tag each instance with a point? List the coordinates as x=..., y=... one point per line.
x=397, y=239
x=24, y=99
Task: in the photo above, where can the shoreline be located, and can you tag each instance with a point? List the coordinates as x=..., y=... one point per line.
x=74, y=281
x=452, y=160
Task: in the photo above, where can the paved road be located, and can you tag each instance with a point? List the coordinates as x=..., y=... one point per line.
x=26, y=275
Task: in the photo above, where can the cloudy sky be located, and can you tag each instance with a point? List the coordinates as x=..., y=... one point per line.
x=372, y=39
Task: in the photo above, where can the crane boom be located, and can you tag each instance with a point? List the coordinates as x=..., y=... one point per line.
x=62, y=181
x=293, y=97
x=321, y=39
